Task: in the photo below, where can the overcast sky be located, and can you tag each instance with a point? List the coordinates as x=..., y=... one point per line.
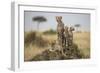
x=69, y=19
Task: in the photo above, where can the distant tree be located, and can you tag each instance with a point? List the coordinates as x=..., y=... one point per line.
x=77, y=26
x=39, y=19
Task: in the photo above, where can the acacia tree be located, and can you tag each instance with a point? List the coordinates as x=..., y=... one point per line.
x=77, y=26
x=39, y=19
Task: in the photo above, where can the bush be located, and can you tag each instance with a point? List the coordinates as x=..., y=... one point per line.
x=33, y=38
x=51, y=31
x=40, y=41
x=30, y=37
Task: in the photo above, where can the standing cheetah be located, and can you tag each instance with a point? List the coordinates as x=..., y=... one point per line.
x=66, y=33
x=70, y=37
x=60, y=30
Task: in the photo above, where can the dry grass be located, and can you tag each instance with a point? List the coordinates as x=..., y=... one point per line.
x=50, y=38
x=31, y=51
x=82, y=39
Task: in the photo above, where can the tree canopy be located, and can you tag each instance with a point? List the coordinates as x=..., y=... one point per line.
x=39, y=19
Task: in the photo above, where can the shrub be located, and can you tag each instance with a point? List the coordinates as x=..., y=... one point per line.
x=33, y=38
x=51, y=31
x=30, y=37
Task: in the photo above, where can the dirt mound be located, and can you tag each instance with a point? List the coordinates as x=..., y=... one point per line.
x=69, y=53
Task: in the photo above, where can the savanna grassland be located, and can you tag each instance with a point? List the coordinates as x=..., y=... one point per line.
x=37, y=42
x=82, y=39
